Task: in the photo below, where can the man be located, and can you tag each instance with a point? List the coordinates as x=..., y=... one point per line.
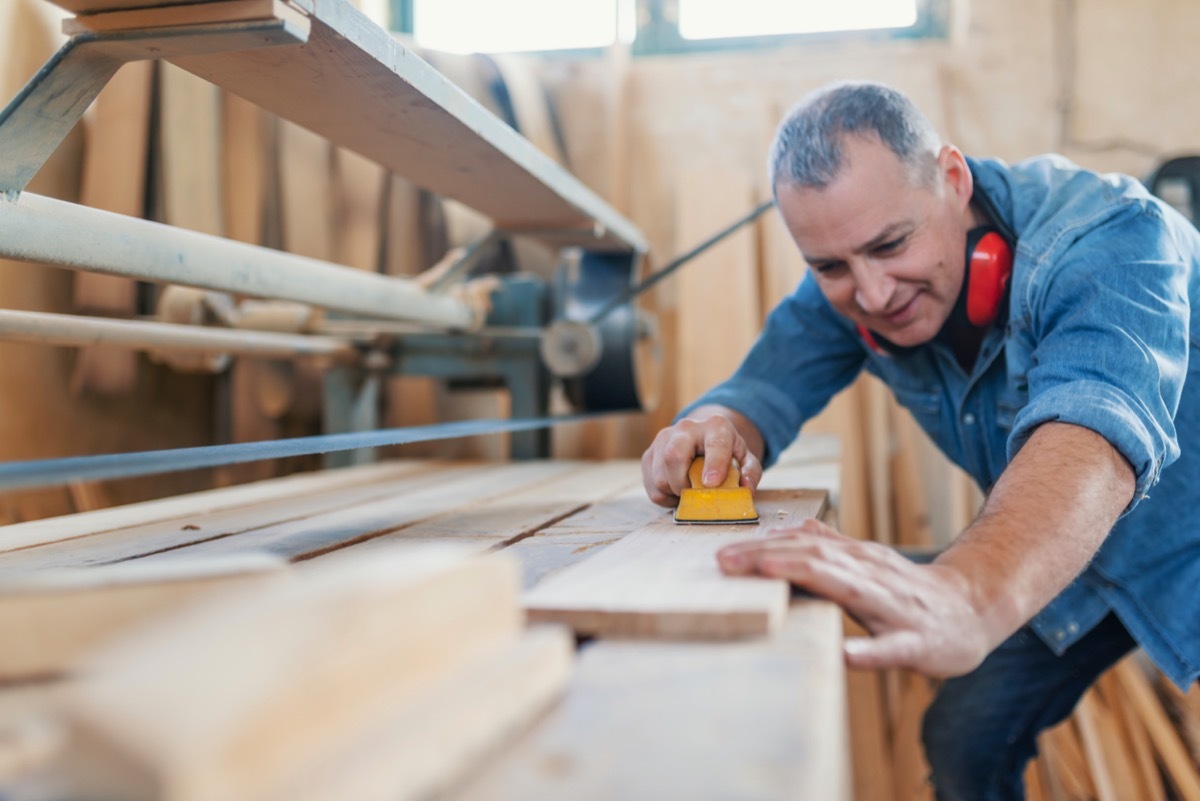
x=1070, y=400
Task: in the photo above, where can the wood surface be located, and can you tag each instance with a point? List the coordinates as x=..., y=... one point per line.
x=291, y=524
x=521, y=512
x=114, y=179
x=557, y=514
x=763, y=719
x=50, y=619
x=430, y=495
x=185, y=510
x=421, y=747
x=719, y=317
x=198, y=706
x=662, y=580
x=174, y=16
x=184, y=7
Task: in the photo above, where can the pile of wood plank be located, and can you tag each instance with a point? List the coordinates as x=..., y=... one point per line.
x=348, y=634
x=380, y=674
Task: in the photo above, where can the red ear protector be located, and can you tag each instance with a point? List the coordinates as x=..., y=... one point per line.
x=989, y=266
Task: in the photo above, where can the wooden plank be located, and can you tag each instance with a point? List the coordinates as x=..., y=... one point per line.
x=1088, y=719
x=358, y=196
x=910, y=770
x=403, y=506
x=50, y=619
x=174, y=16
x=1064, y=754
x=701, y=721
x=356, y=85
x=663, y=581
x=514, y=515
x=1181, y=771
x=56, y=529
x=169, y=536
x=306, y=189
x=114, y=174
x=1150, y=779
x=426, y=745
x=114, y=179
x=718, y=295
x=870, y=752
x=236, y=698
x=97, y=7
x=581, y=535
x=189, y=137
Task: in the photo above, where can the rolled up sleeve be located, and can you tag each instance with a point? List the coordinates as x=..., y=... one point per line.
x=1110, y=322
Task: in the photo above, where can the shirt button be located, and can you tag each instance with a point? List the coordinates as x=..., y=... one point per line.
x=1073, y=627
x=969, y=419
x=1060, y=635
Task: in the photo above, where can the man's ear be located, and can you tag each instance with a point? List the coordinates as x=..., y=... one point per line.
x=955, y=174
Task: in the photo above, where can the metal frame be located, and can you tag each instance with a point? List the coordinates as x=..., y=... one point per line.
x=39, y=229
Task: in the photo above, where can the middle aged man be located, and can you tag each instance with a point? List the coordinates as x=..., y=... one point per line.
x=1037, y=320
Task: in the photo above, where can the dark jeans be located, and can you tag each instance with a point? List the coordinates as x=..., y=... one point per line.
x=981, y=729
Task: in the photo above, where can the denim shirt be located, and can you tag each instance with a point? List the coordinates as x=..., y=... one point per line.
x=1101, y=321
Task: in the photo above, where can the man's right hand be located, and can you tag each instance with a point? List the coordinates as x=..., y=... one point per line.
x=715, y=432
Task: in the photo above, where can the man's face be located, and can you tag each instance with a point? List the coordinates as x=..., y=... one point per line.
x=887, y=252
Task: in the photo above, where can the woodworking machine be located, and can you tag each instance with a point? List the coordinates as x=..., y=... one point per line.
x=324, y=66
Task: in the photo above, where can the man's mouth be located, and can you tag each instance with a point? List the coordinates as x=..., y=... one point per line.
x=904, y=313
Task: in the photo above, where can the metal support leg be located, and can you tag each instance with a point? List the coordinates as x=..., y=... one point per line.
x=351, y=404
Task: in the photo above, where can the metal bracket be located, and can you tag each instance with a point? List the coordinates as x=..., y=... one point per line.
x=38, y=119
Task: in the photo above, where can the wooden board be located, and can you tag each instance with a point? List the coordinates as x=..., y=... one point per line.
x=423, y=746
x=582, y=535
x=202, y=710
x=183, y=509
x=191, y=14
x=114, y=175
x=301, y=537
x=114, y=179
x=516, y=515
x=50, y=619
x=718, y=295
x=245, y=524
x=356, y=85
x=697, y=721
x=663, y=580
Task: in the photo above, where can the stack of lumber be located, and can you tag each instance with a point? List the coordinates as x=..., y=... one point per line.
x=300, y=646
x=366, y=675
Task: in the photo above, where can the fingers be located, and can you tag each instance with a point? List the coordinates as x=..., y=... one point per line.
x=741, y=558
x=665, y=463
x=718, y=453
x=897, y=649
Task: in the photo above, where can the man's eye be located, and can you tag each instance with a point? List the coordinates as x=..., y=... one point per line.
x=830, y=267
x=888, y=247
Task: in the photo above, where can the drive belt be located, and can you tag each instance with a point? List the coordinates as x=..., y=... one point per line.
x=48, y=472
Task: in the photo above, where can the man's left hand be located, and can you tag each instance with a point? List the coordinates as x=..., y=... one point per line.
x=919, y=616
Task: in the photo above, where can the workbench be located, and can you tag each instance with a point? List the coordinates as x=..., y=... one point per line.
x=760, y=718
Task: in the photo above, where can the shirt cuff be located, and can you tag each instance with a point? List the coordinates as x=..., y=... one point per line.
x=1109, y=412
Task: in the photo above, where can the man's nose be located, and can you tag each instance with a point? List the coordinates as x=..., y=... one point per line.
x=873, y=290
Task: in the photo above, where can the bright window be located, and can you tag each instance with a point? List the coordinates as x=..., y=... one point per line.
x=719, y=19
x=489, y=26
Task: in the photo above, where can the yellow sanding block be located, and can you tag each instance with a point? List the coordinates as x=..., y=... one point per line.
x=728, y=503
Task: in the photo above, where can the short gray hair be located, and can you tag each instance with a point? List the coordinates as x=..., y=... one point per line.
x=807, y=150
